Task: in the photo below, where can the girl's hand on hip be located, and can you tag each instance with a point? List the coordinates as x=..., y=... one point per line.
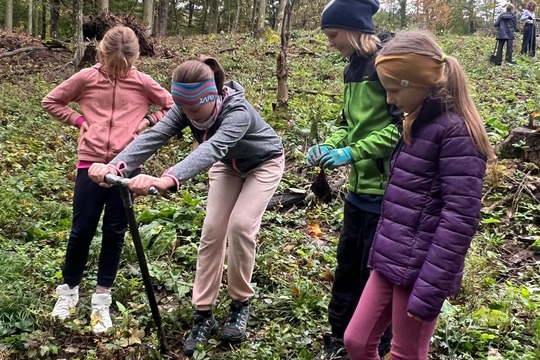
x=97, y=172
x=411, y=315
x=142, y=125
x=141, y=183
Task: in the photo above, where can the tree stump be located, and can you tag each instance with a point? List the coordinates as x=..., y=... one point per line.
x=522, y=143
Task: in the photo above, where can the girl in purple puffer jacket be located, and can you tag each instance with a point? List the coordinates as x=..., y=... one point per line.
x=431, y=206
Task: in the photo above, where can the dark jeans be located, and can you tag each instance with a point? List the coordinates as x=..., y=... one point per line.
x=509, y=50
x=529, y=40
x=88, y=202
x=352, y=272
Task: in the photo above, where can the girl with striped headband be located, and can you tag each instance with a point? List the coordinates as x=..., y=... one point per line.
x=246, y=161
x=431, y=206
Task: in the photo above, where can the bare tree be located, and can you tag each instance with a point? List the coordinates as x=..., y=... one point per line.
x=78, y=36
x=43, y=19
x=214, y=16
x=403, y=13
x=55, y=16
x=261, y=17
x=35, y=19
x=148, y=16
x=280, y=14
x=104, y=5
x=30, y=16
x=8, y=20
x=282, y=72
x=163, y=18
x=236, y=17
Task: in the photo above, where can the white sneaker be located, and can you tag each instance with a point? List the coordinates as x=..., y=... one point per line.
x=67, y=300
x=100, y=320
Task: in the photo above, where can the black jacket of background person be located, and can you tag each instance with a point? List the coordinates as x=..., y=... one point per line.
x=506, y=25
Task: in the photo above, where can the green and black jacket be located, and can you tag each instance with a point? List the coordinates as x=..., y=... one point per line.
x=367, y=126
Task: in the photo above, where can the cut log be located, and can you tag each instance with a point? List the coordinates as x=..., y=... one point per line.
x=285, y=201
x=522, y=143
x=21, y=50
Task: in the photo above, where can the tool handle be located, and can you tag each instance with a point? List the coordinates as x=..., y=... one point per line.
x=123, y=182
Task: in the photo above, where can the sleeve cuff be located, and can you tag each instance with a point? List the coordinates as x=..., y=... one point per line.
x=119, y=168
x=177, y=184
x=79, y=121
x=150, y=120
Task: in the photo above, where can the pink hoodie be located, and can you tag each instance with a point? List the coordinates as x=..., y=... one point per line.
x=112, y=109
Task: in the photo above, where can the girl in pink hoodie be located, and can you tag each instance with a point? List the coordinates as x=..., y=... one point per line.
x=114, y=99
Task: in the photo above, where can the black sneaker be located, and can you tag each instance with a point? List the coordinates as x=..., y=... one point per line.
x=202, y=329
x=235, y=326
x=333, y=349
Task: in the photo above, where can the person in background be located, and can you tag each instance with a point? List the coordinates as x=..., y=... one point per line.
x=431, y=206
x=114, y=99
x=528, y=18
x=246, y=160
x=365, y=139
x=506, y=25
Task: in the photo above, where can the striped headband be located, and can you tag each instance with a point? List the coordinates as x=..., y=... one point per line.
x=194, y=94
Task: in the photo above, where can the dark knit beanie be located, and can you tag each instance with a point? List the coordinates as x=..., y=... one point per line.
x=355, y=15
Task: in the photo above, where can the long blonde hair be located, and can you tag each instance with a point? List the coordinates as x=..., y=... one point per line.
x=364, y=44
x=118, y=51
x=452, y=91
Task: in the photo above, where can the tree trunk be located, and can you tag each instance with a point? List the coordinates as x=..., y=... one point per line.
x=8, y=20
x=104, y=6
x=522, y=143
x=35, y=19
x=43, y=19
x=190, y=14
x=30, y=16
x=205, y=16
x=236, y=18
x=254, y=16
x=78, y=36
x=403, y=13
x=148, y=16
x=214, y=17
x=261, y=16
x=163, y=18
x=282, y=70
x=280, y=15
x=55, y=16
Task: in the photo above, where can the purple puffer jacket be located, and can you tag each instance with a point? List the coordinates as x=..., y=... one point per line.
x=431, y=210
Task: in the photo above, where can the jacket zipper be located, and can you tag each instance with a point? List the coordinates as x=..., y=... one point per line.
x=111, y=119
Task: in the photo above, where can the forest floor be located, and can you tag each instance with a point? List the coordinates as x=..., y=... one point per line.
x=495, y=317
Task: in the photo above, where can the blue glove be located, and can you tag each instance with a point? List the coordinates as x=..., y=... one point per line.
x=315, y=153
x=336, y=157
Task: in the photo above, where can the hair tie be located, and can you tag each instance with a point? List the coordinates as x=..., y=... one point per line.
x=444, y=57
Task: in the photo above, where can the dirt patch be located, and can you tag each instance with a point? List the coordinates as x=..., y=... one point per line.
x=51, y=61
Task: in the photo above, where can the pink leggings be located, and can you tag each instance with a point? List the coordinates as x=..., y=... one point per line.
x=383, y=303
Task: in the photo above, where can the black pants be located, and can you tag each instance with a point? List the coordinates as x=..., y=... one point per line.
x=352, y=272
x=529, y=40
x=509, y=50
x=88, y=202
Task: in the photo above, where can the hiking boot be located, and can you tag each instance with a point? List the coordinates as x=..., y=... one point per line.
x=333, y=349
x=202, y=329
x=67, y=300
x=100, y=319
x=235, y=326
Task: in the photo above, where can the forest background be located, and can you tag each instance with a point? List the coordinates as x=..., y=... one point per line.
x=495, y=317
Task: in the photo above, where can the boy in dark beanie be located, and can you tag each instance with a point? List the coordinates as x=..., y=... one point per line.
x=364, y=140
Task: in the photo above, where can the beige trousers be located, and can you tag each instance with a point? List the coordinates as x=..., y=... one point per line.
x=236, y=204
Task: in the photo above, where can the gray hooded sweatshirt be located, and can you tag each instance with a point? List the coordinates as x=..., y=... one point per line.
x=239, y=138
